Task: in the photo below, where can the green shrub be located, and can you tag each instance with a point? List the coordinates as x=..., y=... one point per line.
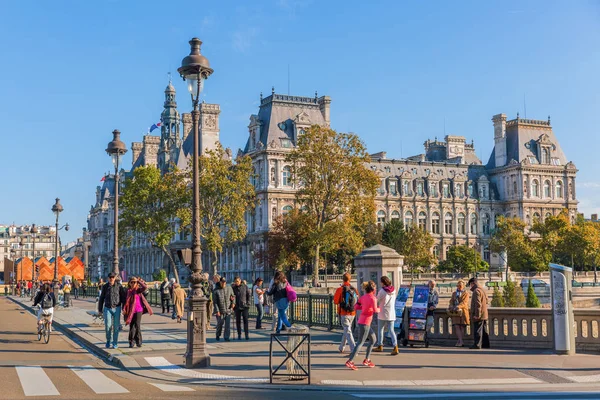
x=532, y=299
x=513, y=295
x=159, y=275
x=498, y=299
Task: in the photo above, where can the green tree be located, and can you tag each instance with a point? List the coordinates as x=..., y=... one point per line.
x=497, y=299
x=329, y=169
x=509, y=236
x=372, y=235
x=462, y=259
x=417, y=249
x=150, y=205
x=513, y=295
x=159, y=275
x=288, y=242
x=532, y=299
x=394, y=235
x=226, y=193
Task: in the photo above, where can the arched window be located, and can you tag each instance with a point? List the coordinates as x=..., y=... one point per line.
x=436, y=252
x=486, y=224
x=535, y=188
x=446, y=190
x=536, y=216
x=473, y=224
x=274, y=213
x=287, y=176
x=422, y=220
x=559, y=189
x=547, y=190
x=273, y=175
x=448, y=223
x=380, y=217
x=548, y=215
x=462, y=228
x=286, y=210
x=395, y=214
x=408, y=219
x=435, y=223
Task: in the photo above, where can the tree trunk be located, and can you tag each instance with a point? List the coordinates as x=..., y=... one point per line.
x=315, y=276
x=213, y=264
x=172, y=264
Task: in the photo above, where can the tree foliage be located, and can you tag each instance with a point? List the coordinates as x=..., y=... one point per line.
x=509, y=236
x=532, y=299
x=462, y=259
x=226, y=193
x=159, y=275
x=150, y=205
x=498, y=298
x=288, y=241
x=513, y=295
x=411, y=242
x=334, y=184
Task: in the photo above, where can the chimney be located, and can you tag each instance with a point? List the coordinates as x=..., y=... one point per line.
x=500, y=139
x=136, y=149
x=324, y=104
x=595, y=217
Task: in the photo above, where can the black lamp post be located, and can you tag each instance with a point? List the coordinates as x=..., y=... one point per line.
x=34, y=232
x=21, y=245
x=57, y=208
x=116, y=148
x=194, y=69
x=13, y=254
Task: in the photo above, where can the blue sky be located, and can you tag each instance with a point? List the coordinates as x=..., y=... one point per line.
x=72, y=71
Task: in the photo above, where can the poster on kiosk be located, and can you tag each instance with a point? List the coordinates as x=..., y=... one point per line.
x=401, y=300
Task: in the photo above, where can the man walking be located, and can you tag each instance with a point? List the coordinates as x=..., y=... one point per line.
x=224, y=301
x=112, y=299
x=165, y=295
x=479, y=316
x=76, y=286
x=242, y=304
x=346, y=297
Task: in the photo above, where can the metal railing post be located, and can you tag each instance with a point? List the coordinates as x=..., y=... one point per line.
x=330, y=311
x=310, y=311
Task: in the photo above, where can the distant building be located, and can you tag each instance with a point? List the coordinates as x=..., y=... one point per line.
x=11, y=235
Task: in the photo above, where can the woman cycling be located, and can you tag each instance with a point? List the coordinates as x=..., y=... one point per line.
x=45, y=298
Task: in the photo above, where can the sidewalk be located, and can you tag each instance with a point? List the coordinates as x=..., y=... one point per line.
x=247, y=362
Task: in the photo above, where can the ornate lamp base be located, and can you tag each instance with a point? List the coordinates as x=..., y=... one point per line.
x=196, y=355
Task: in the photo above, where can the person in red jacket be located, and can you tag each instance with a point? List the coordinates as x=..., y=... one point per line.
x=346, y=311
x=368, y=306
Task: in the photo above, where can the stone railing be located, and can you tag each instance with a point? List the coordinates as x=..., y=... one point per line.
x=520, y=328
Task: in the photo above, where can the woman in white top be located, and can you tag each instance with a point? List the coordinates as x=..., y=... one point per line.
x=386, y=300
x=259, y=301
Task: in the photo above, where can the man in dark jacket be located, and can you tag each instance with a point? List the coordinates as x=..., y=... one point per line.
x=112, y=299
x=224, y=302
x=165, y=295
x=479, y=316
x=242, y=305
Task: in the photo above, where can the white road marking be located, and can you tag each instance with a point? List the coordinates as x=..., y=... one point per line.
x=508, y=395
x=342, y=382
x=97, y=381
x=439, y=382
x=585, y=378
x=163, y=364
x=35, y=382
x=172, y=388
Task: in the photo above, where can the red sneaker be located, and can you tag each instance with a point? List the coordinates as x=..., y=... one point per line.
x=368, y=363
x=351, y=365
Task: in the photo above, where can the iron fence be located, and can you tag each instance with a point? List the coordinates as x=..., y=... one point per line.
x=309, y=309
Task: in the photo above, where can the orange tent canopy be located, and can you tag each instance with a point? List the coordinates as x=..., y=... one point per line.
x=77, y=268
x=23, y=269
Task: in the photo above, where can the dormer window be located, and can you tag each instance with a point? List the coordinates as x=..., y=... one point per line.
x=545, y=155
x=286, y=143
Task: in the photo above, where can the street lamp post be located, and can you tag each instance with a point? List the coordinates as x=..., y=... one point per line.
x=33, y=232
x=21, y=245
x=116, y=148
x=194, y=69
x=13, y=254
x=57, y=208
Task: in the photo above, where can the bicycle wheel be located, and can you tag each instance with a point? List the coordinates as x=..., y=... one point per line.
x=40, y=334
x=47, y=333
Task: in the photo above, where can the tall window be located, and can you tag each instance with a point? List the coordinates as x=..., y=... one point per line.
x=559, y=190
x=287, y=176
x=448, y=223
x=514, y=188
x=547, y=190
x=423, y=220
x=462, y=224
x=420, y=190
x=471, y=190
x=435, y=223
x=288, y=209
x=473, y=224
x=380, y=217
x=545, y=155
x=393, y=189
x=433, y=189
x=406, y=188
x=395, y=214
x=408, y=219
x=535, y=188
x=436, y=252
x=459, y=190
x=446, y=190
x=486, y=224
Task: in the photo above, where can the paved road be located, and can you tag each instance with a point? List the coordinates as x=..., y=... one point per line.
x=63, y=369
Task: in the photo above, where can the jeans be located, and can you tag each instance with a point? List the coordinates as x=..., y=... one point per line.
x=224, y=320
x=346, y=322
x=112, y=321
x=76, y=293
x=282, y=306
x=135, y=329
x=365, y=332
x=164, y=301
x=381, y=324
x=259, y=317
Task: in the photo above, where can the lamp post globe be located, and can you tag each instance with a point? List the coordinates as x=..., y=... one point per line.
x=195, y=69
x=115, y=149
x=57, y=208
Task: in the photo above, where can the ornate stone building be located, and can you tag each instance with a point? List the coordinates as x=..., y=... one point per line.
x=19, y=238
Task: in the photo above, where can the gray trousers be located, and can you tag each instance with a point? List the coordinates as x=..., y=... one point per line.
x=365, y=333
x=224, y=320
x=347, y=337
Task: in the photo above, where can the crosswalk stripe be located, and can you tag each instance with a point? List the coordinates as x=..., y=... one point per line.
x=163, y=364
x=97, y=381
x=172, y=388
x=35, y=382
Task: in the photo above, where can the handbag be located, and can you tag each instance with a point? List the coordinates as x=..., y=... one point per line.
x=291, y=293
x=455, y=312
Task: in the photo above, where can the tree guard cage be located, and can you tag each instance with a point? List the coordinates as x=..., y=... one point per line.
x=296, y=354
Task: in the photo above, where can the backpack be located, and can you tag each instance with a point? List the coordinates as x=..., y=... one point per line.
x=349, y=298
x=292, y=296
x=47, y=301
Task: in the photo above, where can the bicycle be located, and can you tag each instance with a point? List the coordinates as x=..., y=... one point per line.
x=44, y=330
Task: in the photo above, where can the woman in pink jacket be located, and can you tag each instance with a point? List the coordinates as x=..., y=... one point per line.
x=368, y=306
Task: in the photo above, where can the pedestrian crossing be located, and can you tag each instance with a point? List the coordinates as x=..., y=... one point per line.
x=37, y=381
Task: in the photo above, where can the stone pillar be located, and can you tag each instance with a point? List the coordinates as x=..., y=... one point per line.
x=378, y=261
